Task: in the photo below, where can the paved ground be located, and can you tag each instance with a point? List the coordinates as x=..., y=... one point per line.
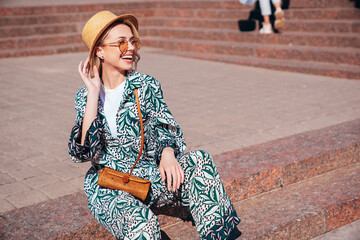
x=349, y=231
x=220, y=107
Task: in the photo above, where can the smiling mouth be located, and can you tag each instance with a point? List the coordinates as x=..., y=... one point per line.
x=127, y=58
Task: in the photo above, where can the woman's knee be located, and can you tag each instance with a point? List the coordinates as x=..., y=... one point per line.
x=126, y=217
x=199, y=156
x=143, y=223
x=195, y=161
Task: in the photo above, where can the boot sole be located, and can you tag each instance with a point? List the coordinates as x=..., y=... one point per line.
x=279, y=24
x=280, y=20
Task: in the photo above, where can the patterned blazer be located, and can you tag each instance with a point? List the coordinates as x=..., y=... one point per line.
x=160, y=129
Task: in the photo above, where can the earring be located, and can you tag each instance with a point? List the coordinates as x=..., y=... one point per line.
x=102, y=57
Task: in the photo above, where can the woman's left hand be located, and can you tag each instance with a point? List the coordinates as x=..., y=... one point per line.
x=170, y=169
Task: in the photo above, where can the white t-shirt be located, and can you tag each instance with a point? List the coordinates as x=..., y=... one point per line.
x=111, y=102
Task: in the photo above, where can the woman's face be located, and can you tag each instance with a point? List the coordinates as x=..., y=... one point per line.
x=113, y=57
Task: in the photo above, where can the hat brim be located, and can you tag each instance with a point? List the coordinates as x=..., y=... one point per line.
x=129, y=17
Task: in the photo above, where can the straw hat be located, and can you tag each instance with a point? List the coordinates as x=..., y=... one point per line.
x=98, y=23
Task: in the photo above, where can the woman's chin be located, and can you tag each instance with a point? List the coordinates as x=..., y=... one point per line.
x=125, y=67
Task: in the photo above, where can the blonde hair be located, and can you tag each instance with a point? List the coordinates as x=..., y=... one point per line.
x=96, y=61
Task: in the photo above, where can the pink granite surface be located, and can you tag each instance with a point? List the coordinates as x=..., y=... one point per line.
x=246, y=172
x=298, y=211
x=263, y=167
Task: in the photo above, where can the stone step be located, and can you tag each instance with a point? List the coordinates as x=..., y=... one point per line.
x=52, y=14
x=43, y=19
x=344, y=40
x=304, y=14
x=35, y=41
x=128, y=7
x=284, y=169
x=263, y=167
x=349, y=231
x=66, y=17
x=269, y=51
x=320, y=3
x=323, y=13
x=39, y=29
x=235, y=4
x=289, y=38
x=25, y=26
x=299, y=211
x=330, y=26
x=316, y=68
x=259, y=47
x=200, y=4
x=333, y=26
x=47, y=50
x=273, y=51
x=222, y=4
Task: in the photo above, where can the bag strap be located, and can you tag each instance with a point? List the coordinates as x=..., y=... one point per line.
x=142, y=129
x=126, y=177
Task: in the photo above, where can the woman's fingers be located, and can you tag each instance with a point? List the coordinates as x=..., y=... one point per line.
x=80, y=70
x=177, y=182
x=171, y=170
x=182, y=175
x=162, y=173
x=80, y=67
x=86, y=66
x=172, y=178
x=169, y=179
x=176, y=179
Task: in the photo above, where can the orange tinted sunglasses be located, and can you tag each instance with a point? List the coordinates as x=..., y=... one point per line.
x=124, y=44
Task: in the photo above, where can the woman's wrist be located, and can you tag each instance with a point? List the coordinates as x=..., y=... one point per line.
x=168, y=150
x=93, y=94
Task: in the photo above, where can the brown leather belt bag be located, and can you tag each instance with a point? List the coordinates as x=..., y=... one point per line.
x=113, y=179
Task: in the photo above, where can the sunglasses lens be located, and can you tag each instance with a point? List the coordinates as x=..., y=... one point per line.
x=123, y=46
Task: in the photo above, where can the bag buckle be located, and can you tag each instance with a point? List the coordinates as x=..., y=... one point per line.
x=126, y=178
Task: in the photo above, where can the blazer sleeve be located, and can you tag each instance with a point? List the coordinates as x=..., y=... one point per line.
x=167, y=132
x=92, y=148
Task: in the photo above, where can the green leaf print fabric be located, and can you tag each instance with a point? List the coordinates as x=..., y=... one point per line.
x=123, y=215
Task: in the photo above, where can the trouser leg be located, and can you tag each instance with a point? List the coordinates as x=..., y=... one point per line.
x=124, y=216
x=265, y=7
x=203, y=192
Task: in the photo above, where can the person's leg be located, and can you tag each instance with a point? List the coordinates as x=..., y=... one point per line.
x=120, y=213
x=266, y=12
x=277, y=3
x=265, y=7
x=204, y=193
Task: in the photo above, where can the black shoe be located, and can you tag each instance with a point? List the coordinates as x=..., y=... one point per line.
x=235, y=234
x=164, y=236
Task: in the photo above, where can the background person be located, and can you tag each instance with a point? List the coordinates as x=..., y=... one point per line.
x=266, y=12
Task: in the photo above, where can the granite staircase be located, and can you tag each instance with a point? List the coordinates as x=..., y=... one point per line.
x=320, y=37
x=297, y=187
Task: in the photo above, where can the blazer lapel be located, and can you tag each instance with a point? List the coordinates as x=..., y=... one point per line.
x=133, y=80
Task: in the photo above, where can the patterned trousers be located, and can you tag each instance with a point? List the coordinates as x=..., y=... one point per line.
x=129, y=218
